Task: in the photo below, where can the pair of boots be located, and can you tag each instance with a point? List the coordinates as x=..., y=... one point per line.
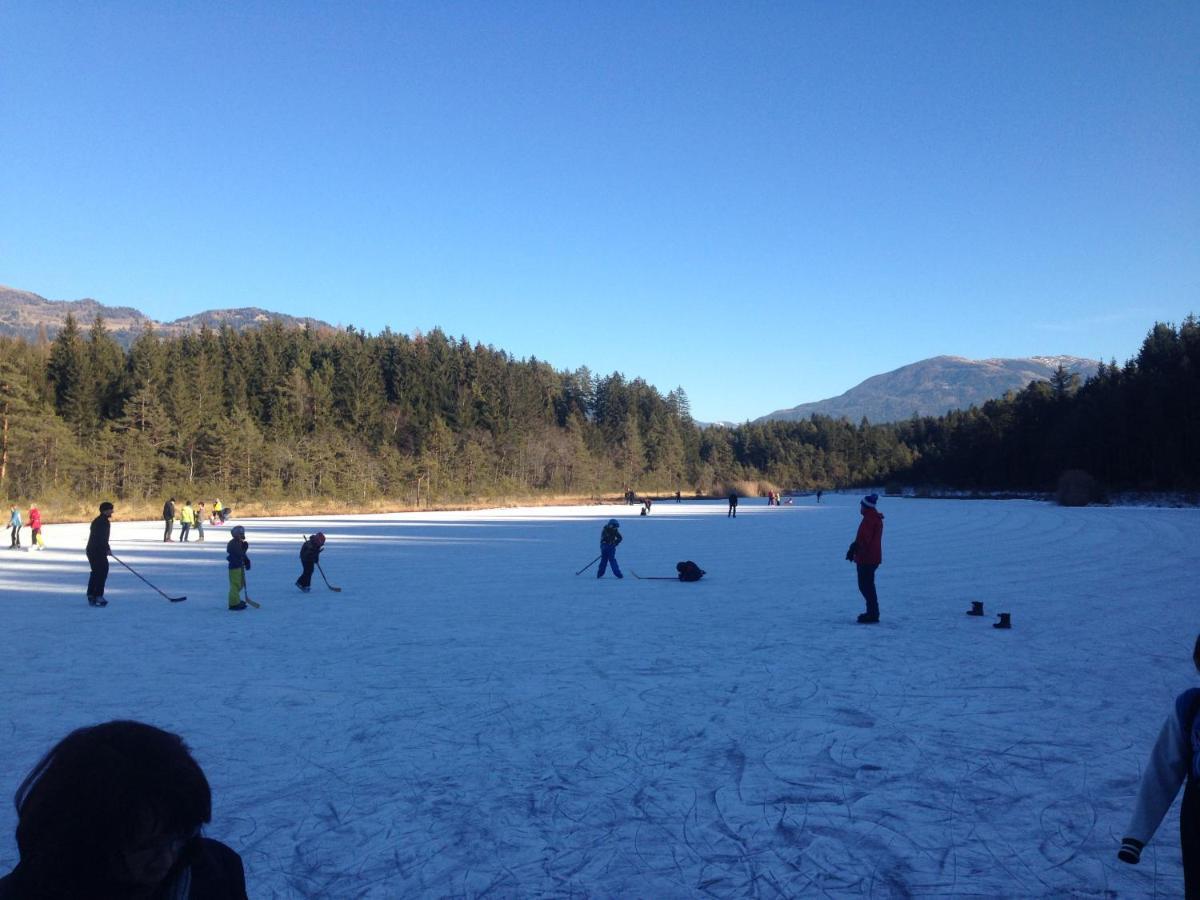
x=96, y=601
x=976, y=609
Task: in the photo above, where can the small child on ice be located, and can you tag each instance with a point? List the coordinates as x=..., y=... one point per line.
x=239, y=562
x=309, y=551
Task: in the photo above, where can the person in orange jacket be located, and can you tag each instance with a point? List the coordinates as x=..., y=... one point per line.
x=866, y=552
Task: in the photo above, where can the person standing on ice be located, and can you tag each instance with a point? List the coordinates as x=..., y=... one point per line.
x=168, y=519
x=187, y=517
x=14, y=525
x=609, y=538
x=732, y=505
x=239, y=562
x=200, y=521
x=866, y=552
x=98, y=552
x=309, y=551
x=35, y=528
x=1174, y=761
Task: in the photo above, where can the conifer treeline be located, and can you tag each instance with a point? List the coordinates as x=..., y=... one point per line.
x=291, y=413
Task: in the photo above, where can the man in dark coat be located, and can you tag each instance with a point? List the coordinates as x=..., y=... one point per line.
x=732, y=505
x=168, y=519
x=97, y=553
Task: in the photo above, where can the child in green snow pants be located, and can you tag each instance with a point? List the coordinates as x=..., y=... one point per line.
x=237, y=578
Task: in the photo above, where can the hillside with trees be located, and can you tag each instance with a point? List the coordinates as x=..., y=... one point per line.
x=294, y=414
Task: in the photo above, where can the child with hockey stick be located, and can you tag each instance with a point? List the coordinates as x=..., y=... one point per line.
x=1174, y=761
x=609, y=538
x=310, y=550
x=239, y=563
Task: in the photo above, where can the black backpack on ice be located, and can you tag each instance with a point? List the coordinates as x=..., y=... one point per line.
x=689, y=571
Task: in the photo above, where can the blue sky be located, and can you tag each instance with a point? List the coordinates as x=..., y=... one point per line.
x=765, y=203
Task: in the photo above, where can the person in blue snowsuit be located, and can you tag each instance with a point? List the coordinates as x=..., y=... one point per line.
x=1175, y=761
x=609, y=538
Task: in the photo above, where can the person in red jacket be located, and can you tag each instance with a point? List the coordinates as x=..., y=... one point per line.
x=866, y=552
x=35, y=527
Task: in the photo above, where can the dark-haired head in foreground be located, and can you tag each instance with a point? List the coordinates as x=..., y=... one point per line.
x=114, y=811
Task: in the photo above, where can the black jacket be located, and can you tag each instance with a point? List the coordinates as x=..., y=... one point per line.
x=168, y=510
x=216, y=873
x=309, y=551
x=97, y=544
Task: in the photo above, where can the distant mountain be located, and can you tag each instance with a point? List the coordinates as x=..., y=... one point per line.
x=24, y=314
x=933, y=387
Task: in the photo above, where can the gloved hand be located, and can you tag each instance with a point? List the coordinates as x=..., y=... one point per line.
x=1131, y=851
x=246, y=565
x=850, y=553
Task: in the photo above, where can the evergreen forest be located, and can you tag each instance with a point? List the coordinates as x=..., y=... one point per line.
x=303, y=415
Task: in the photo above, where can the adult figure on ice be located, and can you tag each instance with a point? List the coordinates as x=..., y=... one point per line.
x=609, y=538
x=168, y=519
x=1174, y=761
x=98, y=552
x=14, y=525
x=309, y=551
x=200, y=521
x=866, y=552
x=239, y=562
x=732, y=505
x=114, y=812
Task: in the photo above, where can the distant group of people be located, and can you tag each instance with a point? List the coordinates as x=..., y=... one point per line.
x=190, y=517
x=236, y=555
x=16, y=523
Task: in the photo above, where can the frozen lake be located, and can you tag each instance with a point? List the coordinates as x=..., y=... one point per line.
x=468, y=717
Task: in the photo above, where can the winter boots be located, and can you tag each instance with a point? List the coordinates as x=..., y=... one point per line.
x=96, y=601
x=976, y=608
x=1005, y=621
x=241, y=604
x=867, y=619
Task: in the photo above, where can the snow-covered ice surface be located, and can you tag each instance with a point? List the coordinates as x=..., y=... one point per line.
x=469, y=717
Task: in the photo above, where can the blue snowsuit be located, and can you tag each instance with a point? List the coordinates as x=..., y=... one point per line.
x=609, y=538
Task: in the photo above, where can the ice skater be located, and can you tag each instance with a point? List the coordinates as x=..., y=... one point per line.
x=35, y=528
x=866, y=552
x=98, y=552
x=310, y=550
x=14, y=525
x=609, y=538
x=1174, y=761
x=239, y=564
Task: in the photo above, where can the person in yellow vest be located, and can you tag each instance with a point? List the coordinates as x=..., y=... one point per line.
x=187, y=518
x=216, y=513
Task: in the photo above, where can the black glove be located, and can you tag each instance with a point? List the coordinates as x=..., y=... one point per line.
x=1131, y=851
x=850, y=553
x=246, y=565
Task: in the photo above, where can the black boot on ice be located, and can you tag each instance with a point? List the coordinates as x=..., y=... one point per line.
x=976, y=608
x=1005, y=621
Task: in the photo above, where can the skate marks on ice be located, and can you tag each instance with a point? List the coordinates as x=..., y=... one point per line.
x=469, y=727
